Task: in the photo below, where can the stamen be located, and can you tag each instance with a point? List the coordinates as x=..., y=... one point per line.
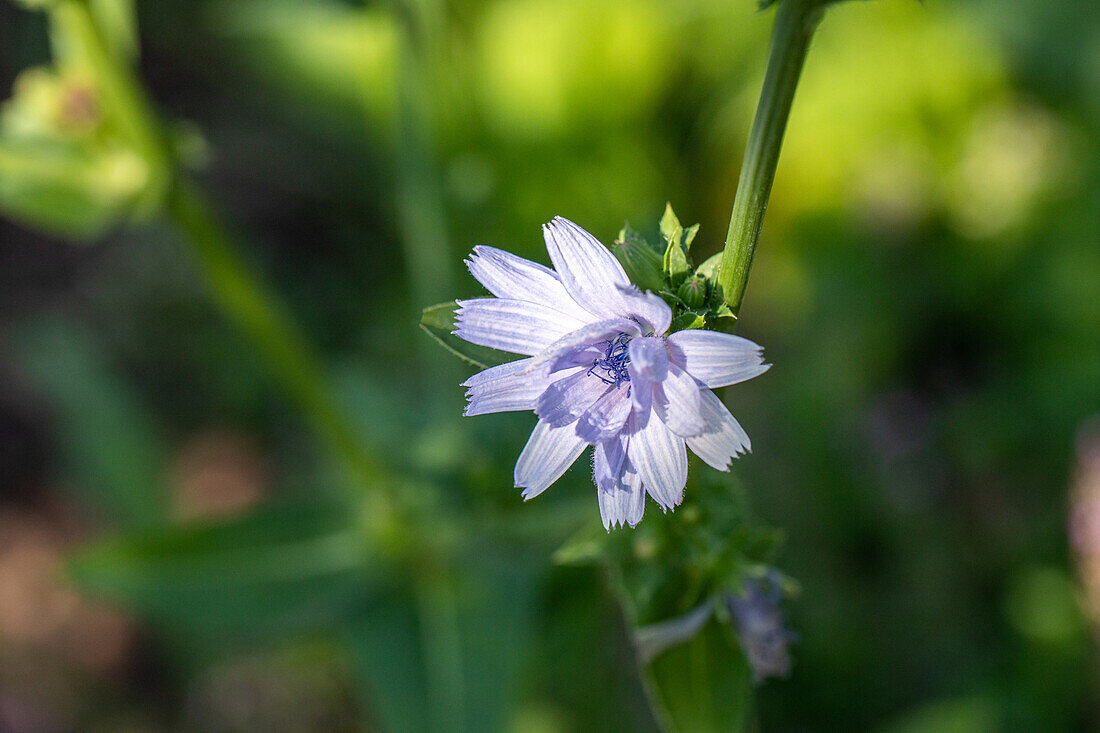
x=612, y=367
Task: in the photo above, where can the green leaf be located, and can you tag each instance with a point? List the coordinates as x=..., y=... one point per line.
x=709, y=268
x=677, y=264
x=63, y=191
x=688, y=320
x=586, y=547
x=288, y=567
x=447, y=651
x=117, y=21
x=438, y=322
x=109, y=442
x=703, y=685
x=652, y=640
x=632, y=236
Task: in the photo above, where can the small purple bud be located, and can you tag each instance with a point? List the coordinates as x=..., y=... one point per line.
x=759, y=623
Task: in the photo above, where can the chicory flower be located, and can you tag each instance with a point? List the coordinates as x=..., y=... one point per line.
x=602, y=370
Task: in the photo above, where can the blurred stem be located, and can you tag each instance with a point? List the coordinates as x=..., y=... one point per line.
x=255, y=310
x=239, y=295
x=420, y=205
x=442, y=641
x=795, y=23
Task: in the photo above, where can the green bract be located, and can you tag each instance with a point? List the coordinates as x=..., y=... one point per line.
x=642, y=263
x=692, y=292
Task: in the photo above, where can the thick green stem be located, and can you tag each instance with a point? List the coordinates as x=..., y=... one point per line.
x=795, y=22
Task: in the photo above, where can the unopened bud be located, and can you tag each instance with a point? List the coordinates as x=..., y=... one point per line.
x=693, y=292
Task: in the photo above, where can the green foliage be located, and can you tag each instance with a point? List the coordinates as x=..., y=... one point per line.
x=76, y=157
x=693, y=293
x=704, y=685
x=677, y=567
x=66, y=193
x=642, y=263
x=677, y=245
x=108, y=438
x=117, y=21
x=286, y=568
x=446, y=652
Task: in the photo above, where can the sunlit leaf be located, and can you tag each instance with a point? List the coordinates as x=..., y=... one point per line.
x=709, y=268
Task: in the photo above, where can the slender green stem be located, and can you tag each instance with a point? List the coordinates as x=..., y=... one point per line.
x=241, y=297
x=795, y=23
x=244, y=300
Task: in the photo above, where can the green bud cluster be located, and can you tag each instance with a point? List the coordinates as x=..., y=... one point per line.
x=667, y=269
x=81, y=153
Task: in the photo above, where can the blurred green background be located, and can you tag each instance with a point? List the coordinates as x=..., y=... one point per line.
x=178, y=551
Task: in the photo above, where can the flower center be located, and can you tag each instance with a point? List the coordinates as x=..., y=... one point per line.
x=611, y=368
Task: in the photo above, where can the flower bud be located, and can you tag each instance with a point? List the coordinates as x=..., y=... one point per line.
x=759, y=622
x=693, y=292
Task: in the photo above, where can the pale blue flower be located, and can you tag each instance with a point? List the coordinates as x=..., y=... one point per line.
x=603, y=371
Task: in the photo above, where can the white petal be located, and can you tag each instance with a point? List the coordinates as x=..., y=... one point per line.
x=678, y=403
x=522, y=396
x=661, y=460
x=647, y=308
x=607, y=415
x=588, y=270
x=507, y=276
x=565, y=400
x=724, y=440
x=648, y=365
x=517, y=391
x=596, y=280
x=547, y=455
x=618, y=487
x=512, y=325
x=717, y=359
x=608, y=459
x=625, y=504
x=648, y=359
x=497, y=372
